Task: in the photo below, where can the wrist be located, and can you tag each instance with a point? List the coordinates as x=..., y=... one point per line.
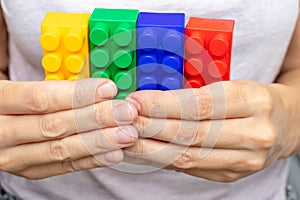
x=286, y=114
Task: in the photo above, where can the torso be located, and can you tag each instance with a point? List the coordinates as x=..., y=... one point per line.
x=262, y=35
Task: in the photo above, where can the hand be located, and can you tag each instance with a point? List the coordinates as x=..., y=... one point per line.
x=221, y=132
x=39, y=122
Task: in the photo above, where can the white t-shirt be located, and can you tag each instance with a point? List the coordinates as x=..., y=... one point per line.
x=262, y=33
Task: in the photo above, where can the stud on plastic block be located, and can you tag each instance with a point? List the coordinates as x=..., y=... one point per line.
x=64, y=39
x=208, y=47
x=160, y=44
x=113, y=47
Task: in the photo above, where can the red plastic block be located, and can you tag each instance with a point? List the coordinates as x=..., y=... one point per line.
x=208, y=47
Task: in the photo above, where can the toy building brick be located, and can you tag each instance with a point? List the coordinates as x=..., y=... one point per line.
x=208, y=47
x=64, y=39
x=113, y=47
x=160, y=43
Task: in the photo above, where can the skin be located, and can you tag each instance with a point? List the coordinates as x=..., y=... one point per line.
x=255, y=129
x=55, y=127
x=248, y=132
x=3, y=51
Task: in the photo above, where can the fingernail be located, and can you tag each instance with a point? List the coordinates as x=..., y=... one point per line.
x=134, y=102
x=114, y=156
x=124, y=112
x=125, y=135
x=107, y=90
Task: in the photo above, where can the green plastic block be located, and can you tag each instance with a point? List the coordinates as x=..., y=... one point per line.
x=113, y=47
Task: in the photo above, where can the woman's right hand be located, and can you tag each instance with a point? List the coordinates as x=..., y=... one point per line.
x=55, y=127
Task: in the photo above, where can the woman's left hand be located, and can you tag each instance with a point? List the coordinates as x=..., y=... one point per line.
x=222, y=132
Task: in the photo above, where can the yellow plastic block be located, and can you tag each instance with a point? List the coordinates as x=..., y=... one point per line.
x=65, y=43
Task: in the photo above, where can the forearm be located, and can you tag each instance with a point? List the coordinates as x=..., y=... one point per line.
x=3, y=47
x=291, y=67
x=288, y=87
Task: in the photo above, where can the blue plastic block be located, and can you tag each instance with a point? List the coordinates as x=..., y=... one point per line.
x=160, y=50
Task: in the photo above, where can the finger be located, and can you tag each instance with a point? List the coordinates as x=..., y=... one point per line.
x=140, y=161
x=224, y=176
x=213, y=175
x=225, y=134
x=217, y=101
x=33, y=128
x=182, y=157
x=52, y=96
x=90, y=162
x=70, y=148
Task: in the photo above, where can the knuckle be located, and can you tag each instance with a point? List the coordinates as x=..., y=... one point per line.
x=155, y=108
x=94, y=161
x=189, y=134
x=250, y=164
x=70, y=166
x=268, y=138
x=262, y=100
x=99, y=115
x=59, y=151
x=36, y=98
x=254, y=164
x=185, y=138
x=141, y=125
x=265, y=139
x=230, y=177
x=266, y=101
x=79, y=97
x=138, y=148
x=52, y=126
x=203, y=108
x=83, y=92
x=185, y=161
x=148, y=127
x=102, y=142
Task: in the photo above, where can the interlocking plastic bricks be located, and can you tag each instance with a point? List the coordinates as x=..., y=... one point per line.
x=208, y=47
x=160, y=43
x=64, y=39
x=113, y=47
